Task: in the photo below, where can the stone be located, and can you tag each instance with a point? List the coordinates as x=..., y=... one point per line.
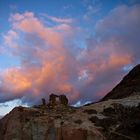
x=55, y=100
x=63, y=100
x=43, y=101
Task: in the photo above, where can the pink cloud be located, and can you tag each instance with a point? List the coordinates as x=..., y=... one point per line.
x=28, y=23
x=51, y=58
x=52, y=62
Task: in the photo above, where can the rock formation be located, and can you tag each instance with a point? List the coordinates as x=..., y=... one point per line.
x=43, y=102
x=55, y=100
x=55, y=121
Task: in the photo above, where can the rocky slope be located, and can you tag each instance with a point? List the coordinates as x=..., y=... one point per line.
x=43, y=123
x=108, y=120
x=112, y=119
x=128, y=86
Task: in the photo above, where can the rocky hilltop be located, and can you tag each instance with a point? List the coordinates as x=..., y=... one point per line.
x=111, y=119
x=53, y=121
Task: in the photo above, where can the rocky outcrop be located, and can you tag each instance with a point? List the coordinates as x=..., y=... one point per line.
x=46, y=123
x=43, y=102
x=128, y=86
x=55, y=100
x=107, y=120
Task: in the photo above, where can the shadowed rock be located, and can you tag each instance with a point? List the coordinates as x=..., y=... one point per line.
x=130, y=85
x=55, y=100
x=43, y=101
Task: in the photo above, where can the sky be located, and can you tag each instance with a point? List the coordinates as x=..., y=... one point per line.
x=80, y=48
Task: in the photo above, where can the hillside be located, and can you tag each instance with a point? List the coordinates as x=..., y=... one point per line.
x=129, y=85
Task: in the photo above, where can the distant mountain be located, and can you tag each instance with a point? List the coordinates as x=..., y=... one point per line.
x=130, y=85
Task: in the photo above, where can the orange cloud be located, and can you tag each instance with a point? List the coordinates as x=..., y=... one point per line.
x=15, y=81
x=119, y=60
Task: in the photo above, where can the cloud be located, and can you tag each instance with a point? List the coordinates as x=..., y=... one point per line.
x=92, y=8
x=9, y=38
x=51, y=61
x=65, y=7
x=43, y=56
x=8, y=106
x=59, y=20
x=124, y=33
x=13, y=7
x=115, y=45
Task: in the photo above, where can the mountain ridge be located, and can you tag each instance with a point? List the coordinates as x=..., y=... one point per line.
x=128, y=86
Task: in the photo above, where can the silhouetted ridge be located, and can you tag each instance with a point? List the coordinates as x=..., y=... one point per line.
x=130, y=85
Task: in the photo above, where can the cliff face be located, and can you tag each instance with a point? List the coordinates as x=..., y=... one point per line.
x=128, y=86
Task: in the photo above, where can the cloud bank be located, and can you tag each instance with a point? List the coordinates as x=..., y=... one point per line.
x=51, y=61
